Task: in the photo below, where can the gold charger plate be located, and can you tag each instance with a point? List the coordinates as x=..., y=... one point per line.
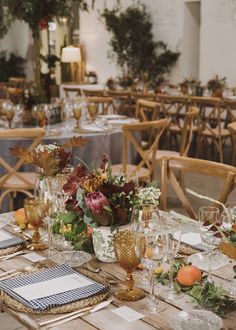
x=67, y=308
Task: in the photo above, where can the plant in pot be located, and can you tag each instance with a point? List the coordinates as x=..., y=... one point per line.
x=132, y=46
x=216, y=85
x=37, y=14
x=101, y=202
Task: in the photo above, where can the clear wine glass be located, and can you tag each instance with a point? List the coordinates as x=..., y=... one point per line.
x=146, y=225
x=209, y=216
x=173, y=243
x=150, y=250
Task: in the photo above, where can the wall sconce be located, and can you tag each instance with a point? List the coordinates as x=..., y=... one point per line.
x=72, y=55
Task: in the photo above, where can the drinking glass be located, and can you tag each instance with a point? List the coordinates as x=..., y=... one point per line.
x=9, y=114
x=150, y=250
x=146, y=225
x=92, y=109
x=209, y=216
x=229, y=218
x=77, y=112
x=35, y=212
x=124, y=245
x=173, y=243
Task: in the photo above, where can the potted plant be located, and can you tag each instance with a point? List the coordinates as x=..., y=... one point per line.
x=132, y=46
x=216, y=85
x=37, y=14
x=102, y=202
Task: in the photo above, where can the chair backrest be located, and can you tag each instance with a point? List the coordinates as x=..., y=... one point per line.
x=15, y=94
x=92, y=92
x=18, y=82
x=3, y=92
x=173, y=104
x=147, y=110
x=72, y=92
x=34, y=134
x=171, y=167
x=130, y=135
x=103, y=104
x=190, y=118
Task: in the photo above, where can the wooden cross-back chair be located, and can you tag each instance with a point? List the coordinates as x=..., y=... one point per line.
x=173, y=105
x=92, y=92
x=18, y=82
x=186, y=133
x=13, y=180
x=232, y=129
x=122, y=101
x=102, y=104
x=147, y=110
x=72, y=92
x=172, y=166
x=144, y=167
x=212, y=130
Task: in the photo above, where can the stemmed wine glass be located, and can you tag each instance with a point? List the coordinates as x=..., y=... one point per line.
x=124, y=245
x=92, y=109
x=35, y=212
x=9, y=114
x=209, y=216
x=173, y=243
x=150, y=248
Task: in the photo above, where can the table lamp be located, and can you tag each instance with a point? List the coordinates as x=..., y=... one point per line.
x=72, y=55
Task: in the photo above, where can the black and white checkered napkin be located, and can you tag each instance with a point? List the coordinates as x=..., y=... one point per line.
x=11, y=242
x=52, y=301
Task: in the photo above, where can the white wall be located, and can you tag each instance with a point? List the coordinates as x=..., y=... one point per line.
x=18, y=41
x=217, y=38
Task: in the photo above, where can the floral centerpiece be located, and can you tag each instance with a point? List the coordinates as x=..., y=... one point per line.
x=216, y=85
x=49, y=159
x=101, y=202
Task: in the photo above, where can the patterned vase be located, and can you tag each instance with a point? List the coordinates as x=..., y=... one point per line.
x=103, y=243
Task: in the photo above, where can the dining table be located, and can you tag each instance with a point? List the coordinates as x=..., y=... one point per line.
x=108, y=318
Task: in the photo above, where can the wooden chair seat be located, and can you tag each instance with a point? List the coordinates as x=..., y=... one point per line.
x=177, y=130
x=142, y=173
x=18, y=183
x=214, y=132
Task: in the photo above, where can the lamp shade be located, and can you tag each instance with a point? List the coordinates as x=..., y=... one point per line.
x=70, y=54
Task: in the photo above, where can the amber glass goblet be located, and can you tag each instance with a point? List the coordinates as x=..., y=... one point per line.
x=77, y=113
x=124, y=244
x=9, y=114
x=92, y=109
x=35, y=212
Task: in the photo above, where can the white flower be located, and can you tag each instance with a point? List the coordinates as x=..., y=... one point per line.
x=46, y=147
x=147, y=195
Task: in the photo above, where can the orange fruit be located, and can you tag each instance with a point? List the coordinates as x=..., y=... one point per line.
x=20, y=216
x=188, y=275
x=233, y=227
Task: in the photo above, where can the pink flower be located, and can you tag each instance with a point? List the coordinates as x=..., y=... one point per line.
x=95, y=201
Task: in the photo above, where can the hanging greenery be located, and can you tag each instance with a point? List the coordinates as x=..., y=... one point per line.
x=132, y=44
x=37, y=13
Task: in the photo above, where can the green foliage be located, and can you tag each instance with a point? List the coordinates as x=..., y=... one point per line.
x=11, y=66
x=207, y=295
x=50, y=59
x=34, y=11
x=216, y=83
x=132, y=43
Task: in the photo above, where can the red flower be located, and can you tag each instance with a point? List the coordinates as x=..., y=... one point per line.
x=95, y=201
